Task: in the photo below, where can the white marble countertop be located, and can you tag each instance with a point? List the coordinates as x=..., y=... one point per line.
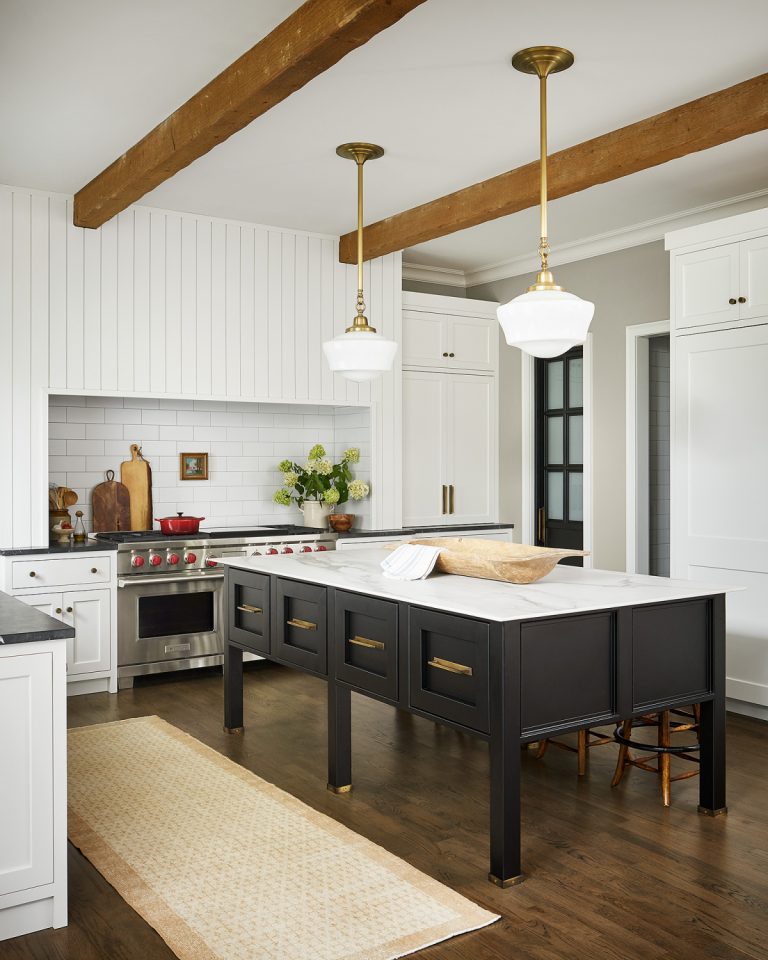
x=564, y=590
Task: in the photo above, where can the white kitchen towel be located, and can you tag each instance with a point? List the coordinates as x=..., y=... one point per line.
x=410, y=561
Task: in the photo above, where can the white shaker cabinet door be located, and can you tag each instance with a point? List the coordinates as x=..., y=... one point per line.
x=471, y=415
x=706, y=281
x=473, y=343
x=88, y=612
x=754, y=278
x=425, y=339
x=424, y=448
x=26, y=771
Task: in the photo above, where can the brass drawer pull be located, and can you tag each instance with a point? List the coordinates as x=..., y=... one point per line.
x=302, y=624
x=445, y=499
x=450, y=499
x=450, y=666
x=248, y=608
x=365, y=642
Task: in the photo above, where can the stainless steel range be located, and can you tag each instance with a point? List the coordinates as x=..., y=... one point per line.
x=170, y=599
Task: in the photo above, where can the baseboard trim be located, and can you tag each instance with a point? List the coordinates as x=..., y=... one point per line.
x=753, y=710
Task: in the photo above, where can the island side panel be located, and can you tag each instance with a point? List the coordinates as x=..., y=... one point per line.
x=339, y=709
x=712, y=733
x=233, y=667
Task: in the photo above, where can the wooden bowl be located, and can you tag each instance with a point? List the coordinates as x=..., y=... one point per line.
x=496, y=559
x=341, y=522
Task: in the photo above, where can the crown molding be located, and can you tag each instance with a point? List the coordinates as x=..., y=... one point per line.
x=596, y=246
x=446, y=276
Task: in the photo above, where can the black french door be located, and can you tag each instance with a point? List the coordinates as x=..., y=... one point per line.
x=559, y=429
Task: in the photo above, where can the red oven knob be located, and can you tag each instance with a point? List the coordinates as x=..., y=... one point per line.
x=190, y=557
x=271, y=551
x=173, y=559
x=210, y=562
x=155, y=559
x=137, y=562
x=287, y=549
x=306, y=549
x=321, y=546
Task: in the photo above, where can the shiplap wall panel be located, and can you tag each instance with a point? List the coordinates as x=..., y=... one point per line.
x=162, y=304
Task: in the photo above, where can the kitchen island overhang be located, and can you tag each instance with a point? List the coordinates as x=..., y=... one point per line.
x=507, y=663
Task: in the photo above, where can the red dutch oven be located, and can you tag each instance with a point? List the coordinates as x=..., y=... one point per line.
x=179, y=524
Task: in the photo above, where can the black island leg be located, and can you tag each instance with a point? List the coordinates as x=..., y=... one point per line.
x=339, y=738
x=506, y=870
x=712, y=729
x=233, y=689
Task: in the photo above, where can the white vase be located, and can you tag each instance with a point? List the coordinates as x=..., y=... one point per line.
x=315, y=513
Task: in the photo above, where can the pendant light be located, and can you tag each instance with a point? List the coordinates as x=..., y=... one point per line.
x=546, y=321
x=360, y=353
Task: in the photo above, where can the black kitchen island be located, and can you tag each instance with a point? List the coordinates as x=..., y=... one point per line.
x=509, y=664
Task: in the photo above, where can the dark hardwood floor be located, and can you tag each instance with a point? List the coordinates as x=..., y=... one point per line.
x=612, y=875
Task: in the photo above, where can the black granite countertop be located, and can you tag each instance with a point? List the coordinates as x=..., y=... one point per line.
x=415, y=531
x=20, y=623
x=54, y=547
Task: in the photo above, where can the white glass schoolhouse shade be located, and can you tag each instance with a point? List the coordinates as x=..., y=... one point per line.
x=360, y=356
x=545, y=323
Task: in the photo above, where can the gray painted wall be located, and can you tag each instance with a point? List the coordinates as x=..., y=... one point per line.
x=627, y=287
x=658, y=455
x=439, y=289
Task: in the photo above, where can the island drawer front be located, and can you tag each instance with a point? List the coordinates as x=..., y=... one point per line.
x=567, y=671
x=59, y=572
x=449, y=667
x=299, y=631
x=671, y=652
x=365, y=634
x=248, y=606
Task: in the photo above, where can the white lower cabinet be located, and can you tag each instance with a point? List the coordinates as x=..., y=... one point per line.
x=33, y=884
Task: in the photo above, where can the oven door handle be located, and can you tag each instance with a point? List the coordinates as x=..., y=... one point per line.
x=138, y=581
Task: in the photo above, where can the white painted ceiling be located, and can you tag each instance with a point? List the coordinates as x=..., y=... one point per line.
x=83, y=80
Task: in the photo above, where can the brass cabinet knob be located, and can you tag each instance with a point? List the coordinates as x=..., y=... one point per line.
x=58, y=609
x=732, y=301
x=94, y=570
x=445, y=354
x=742, y=299
x=451, y=354
x=69, y=609
x=32, y=573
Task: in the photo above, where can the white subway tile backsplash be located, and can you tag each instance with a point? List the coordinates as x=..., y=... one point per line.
x=245, y=442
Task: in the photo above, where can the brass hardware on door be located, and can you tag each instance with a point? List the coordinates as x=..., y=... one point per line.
x=451, y=354
x=365, y=642
x=449, y=666
x=450, y=499
x=542, y=525
x=58, y=609
x=69, y=609
x=32, y=573
x=732, y=301
x=445, y=354
x=445, y=499
x=742, y=299
x=94, y=570
x=302, y=624
x=248, y=608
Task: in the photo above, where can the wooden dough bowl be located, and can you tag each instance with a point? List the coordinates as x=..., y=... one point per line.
x=496, y=559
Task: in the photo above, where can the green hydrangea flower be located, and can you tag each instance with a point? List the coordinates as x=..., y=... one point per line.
x=331, y=495
x=284, y=466
x=290, y=479
x=359, y=490
x=317, y=452
x=352, y=455
x=282, y=497
x=324, y=467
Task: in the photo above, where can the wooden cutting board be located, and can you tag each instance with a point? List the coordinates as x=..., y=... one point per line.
x=111, y=504
x=137, y=476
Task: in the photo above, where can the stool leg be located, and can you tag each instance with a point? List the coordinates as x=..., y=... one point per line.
x=621, y=763
x=543, y=744
x=582, y=753
x=664, y=758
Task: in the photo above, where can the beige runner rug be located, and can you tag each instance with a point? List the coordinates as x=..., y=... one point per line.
x=226, y=866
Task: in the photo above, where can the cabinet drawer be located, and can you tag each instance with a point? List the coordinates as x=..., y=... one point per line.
x=365, y=635
x=248, y=607
x=449, y=667
x=299, y=633
x=47, y=572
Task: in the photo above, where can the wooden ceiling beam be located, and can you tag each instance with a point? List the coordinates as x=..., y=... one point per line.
x=698, y=125
x=312, y=39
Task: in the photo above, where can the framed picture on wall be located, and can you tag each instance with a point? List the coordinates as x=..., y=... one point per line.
x=193, y=466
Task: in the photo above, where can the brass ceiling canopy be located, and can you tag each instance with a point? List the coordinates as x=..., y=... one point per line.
x=541, y=61
x=360, y=152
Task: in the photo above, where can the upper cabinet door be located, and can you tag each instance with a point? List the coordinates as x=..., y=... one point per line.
x=472, y=343
x=754, y=278
x=425, y=491
x=425, y=339
x=707, y=286
x=440, y=341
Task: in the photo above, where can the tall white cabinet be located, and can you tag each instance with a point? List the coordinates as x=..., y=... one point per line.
x=450, y=411
x=719, y=442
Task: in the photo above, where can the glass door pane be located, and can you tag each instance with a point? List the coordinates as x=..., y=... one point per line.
x=576, y=440
x=555, y=496
x=555, y=374
x=554, y=439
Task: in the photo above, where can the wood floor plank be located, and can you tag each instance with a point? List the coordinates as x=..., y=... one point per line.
x=612, y=875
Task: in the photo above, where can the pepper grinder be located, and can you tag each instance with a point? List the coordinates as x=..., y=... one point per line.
x=79, y=534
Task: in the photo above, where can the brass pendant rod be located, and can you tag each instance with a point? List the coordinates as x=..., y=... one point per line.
x=543, y=242
x=360, y=160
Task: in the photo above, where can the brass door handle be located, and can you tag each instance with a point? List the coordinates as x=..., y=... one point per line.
x=445, y=499
x=365, y=642
x=302, y=624
x=247, y=608
x=448, y=665
x=450, y=499
x=542, y=524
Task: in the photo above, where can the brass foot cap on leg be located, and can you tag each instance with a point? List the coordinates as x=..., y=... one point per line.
x=234, y=729
x=719, y=812
x=509, y=882
x=345, y=789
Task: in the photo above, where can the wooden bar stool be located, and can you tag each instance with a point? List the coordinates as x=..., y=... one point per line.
x=663, y=750
x=586, y=739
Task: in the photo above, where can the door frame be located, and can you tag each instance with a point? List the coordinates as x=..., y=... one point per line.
x=528, y=381
x=637, y=434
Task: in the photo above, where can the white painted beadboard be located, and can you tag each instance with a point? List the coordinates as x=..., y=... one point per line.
x=164, y=304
